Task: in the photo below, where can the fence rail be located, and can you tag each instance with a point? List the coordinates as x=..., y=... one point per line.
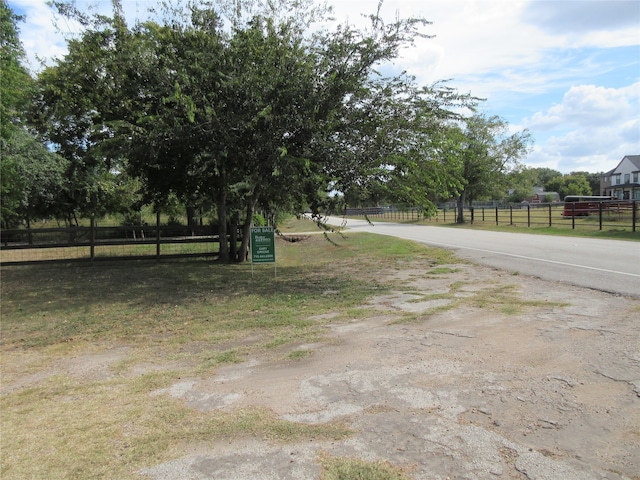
x=88, y=243
x=156, y=241
x=607, y=215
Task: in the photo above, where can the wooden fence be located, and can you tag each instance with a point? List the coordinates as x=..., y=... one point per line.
x=89, y=243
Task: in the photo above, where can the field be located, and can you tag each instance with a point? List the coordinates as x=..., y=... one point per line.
x=160, y=322
x=540, y=219
x=120, y=370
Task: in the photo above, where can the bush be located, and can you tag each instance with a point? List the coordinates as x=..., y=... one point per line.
x=258, y=220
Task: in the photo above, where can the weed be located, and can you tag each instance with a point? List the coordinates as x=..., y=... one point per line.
x=341, y=468
x=442, y=271
x=298, y=354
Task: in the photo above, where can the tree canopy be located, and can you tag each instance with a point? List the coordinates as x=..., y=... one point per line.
x=572, y=184
x=15, y=81
x=257, y=112
x=257, y=106
x=31, y=177
x=481, y=154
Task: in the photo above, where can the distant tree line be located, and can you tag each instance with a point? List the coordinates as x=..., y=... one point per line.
x=523, y=181
x=236, y=108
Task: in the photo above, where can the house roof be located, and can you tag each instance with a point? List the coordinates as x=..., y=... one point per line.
x=635, y=159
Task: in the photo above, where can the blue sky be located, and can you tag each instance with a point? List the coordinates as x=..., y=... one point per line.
x=568, y=71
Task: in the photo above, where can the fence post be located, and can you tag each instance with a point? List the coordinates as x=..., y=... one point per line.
x=158, y=235
x=600, y=214
x=472, y=215
x=497, y=216
x=510, y=214
x=634, y=215
x=528, y=216
x=549, y=215
x=92, y=239
x=29, y=232
x=573, y=216
x=482, y=214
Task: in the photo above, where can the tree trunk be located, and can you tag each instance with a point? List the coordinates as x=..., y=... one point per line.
x=246, y=231
x=460, y=214
x=233, y=235
x=191, y=218
x=222, y=219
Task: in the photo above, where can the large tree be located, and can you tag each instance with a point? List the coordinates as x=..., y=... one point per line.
x=15, y=80
x=485, y=153
x=79, y=103
x=255, y=112
x=541, y=176
x=572, y=184
x=593, y=179
x=31, y=177
x=33, y=181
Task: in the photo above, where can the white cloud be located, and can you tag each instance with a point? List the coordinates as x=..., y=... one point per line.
x=38, y=33
x=589, y=106
x=561, y=17
x=592, y=129
x=593, y=149
x=474, y=39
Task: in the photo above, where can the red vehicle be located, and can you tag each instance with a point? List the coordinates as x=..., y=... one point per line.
x=583, y=205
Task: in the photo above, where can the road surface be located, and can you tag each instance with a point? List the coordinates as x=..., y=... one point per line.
x=607, y=265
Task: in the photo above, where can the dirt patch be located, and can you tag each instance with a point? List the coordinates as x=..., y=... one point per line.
x=544, y=387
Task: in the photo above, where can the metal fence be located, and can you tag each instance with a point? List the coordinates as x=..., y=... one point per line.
x=607, y=215
x=386, y=213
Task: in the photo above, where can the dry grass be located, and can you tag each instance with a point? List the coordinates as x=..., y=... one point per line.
x=110, y=429
x=85, y=346
x=340, y=468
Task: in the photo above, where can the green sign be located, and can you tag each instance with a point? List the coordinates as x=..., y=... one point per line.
x=263, y=245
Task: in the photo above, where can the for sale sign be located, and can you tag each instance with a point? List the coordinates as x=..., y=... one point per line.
x=263, y=245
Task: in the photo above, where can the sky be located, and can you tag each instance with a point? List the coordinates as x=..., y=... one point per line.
x=567, y=71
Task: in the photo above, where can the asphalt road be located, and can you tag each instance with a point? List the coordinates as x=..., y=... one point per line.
x=607, y=265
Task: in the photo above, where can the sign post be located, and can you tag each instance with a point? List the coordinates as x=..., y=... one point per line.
x=263, y=247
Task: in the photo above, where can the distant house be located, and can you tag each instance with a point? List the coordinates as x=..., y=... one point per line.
x=540, y=196
x=623, y=182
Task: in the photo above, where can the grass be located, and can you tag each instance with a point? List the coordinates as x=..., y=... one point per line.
x=299, y=354
x=164, y=322
x=442, y=270
x=298, y=225
x=505, y=299
x=341, y=468
x=112, y=429
x=614, y=225
x=171, y=320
